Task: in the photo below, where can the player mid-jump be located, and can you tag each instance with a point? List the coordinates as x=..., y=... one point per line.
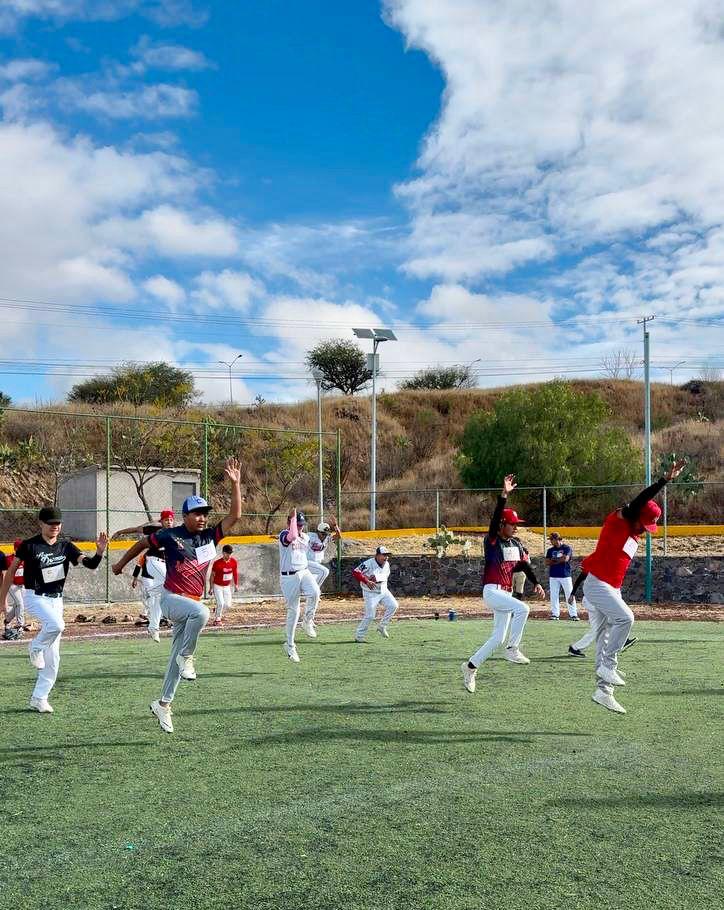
x=602, y=576
x=504, y=555
x=296, y=580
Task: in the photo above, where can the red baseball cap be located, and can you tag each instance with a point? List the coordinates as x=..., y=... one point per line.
x=16, y=544
x=649, y=515
x=511, y=517
x=167, y=513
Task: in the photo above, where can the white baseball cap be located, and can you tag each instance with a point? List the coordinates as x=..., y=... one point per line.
x=323, y=527
x=383, y=551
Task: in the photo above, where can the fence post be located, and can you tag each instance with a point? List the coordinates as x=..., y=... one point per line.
x=108, y=508
x=545, y=519
x=205, y=473
x=437, y=510
x=339, y=508
x=666, y=520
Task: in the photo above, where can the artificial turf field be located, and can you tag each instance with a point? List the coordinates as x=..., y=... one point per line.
x=366, y=777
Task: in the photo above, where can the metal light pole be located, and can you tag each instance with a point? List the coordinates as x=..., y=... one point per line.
x=377, y=336
x=647, y=444
x=671, y=371
x=318, y=376
x=230, y=365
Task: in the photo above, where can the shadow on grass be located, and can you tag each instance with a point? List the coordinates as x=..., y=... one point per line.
x=407, y=707
x=689, y=692
x=64, y=747
x=407, y=737
x=130, y=675
x=691, y=800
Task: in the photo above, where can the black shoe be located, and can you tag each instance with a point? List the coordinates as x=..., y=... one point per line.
x=554, y=618
x=629, y=642
x=574, y=619
x=574, y=652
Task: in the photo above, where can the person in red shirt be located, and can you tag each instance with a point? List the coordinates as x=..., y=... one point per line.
x=602, y=577
x=15, y=594
x=225, y=578
x=504, y=555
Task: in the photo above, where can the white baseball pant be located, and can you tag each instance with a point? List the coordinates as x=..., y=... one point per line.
x=320, y=572
x=615, y=626
x=372, y=599
x=222, y=596
x=556, y=586
x=17, y=605
x=594, y=620
x=152, y=599
x=293, y=587
x=508, y=614
x=188, y=617
x=49, y=613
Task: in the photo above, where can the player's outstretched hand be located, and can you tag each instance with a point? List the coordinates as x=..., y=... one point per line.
x=540, y=592
x=509, y=484
x=117, y=568
x=232, y=470
x=101, y=542
x=676, y=468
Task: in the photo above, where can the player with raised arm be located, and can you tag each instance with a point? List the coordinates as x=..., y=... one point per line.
x=319, y=540
x=603, y=574
x=46, y=559
x=504, y=555
x=295, y=579
x=188, y=550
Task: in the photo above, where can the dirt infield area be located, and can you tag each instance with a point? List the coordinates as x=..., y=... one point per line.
x=271, y=612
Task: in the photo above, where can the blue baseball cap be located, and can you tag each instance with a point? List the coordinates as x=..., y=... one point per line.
x=301, y=518
x=195, y=504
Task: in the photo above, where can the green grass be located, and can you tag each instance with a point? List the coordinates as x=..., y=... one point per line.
x=365, y=777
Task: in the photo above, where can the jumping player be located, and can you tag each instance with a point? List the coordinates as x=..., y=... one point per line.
x=46, y=559
x=15, y=592
x=372, y=574
x=295, y=579
x=558, y=560
x=504, y=555
x=578, y=648
x=225, y=581
x=603, y=574
x=188, y=550
x=318, y=543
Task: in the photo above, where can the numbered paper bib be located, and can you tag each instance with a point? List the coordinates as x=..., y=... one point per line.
x=54, y=573
x=227, y=577
x=511, y=554
x=205, y=553
x=630, y=547
x=20, y=573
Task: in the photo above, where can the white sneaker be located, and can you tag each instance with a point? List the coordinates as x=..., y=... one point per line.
x=360, y=641
x=41, y=705
x=155, y=635
x=291, y=653
x=515, y=656
x=186, y=664
x=383, y=631
x=607, y=701
x=36, y=658
x=163, y=714
x=610, y=676
x=468, y=676
x=308, y=627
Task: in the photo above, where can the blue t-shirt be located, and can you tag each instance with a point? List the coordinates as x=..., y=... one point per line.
x=563, y=569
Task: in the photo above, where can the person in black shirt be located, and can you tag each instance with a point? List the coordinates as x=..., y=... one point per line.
x=47, y=558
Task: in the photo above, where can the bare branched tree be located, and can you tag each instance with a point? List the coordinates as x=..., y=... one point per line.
x=622, y=364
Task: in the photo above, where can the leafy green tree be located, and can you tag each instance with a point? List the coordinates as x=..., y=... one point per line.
x=5, y=400
x=688, y=483
x=276, y=465
x=549, y=436
x=342, y=363
x=439, y=378
x=159, y=384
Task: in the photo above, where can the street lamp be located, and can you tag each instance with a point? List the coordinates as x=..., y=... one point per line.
x=377, y=336
x=318, y=377
x=671, y=369
x=230, y=365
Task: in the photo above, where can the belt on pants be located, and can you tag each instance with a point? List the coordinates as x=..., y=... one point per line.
x=489, y=584
x=292, y=573
x=48, y=594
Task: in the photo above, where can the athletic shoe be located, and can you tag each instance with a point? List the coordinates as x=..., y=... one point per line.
x=41, y=705
x=291, y=653
x=554, y=617
x=154, y=635
x=515, y=656
x=620, y=672
x=383, y=631
x=468, y=676
x=629, y=642
x=610, y=676
x=216, y=622
x=574, y=652
x=607, y=701
x=574, y=619
x=36, y=658
x=308, y=627
x=360, y=641
x=163, y=715
x=186, y=665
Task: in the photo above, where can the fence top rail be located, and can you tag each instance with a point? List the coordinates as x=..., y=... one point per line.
x=193, y=423
x=562, y=486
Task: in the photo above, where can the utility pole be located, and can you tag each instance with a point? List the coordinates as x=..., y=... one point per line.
x=675, y=367
x=230, y=365
x=318, y=377
x=647, y=443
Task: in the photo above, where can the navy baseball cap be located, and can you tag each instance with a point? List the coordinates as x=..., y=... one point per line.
x=195, y=504
x=301, y=518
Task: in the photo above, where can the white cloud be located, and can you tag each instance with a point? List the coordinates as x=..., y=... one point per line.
x=165, y=13
x=164, y=289
x=168, y=56
x=170, y=231
x=144, y=102
x=25, y=68
x=225, y=290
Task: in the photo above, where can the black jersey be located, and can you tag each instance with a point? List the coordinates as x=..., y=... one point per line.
x=46, y=565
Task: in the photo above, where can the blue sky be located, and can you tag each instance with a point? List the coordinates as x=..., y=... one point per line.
x=189, y=180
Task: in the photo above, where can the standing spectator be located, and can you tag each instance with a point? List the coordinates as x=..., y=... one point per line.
x=225, y=580
x=558, y=560
x=372, y=574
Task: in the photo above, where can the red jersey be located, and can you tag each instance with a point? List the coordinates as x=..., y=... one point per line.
x=224, y=571
x=614, y=551
x=19, y=577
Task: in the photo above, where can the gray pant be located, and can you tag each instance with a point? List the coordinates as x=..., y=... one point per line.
x=188, y=617
x=615, y=626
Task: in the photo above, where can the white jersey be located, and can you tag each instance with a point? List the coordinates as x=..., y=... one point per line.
x=379, y=573
x=293, y=555
x=317, y=547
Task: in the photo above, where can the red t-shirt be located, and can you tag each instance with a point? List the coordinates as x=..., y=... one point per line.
x=224, y=571
x=614, y=551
